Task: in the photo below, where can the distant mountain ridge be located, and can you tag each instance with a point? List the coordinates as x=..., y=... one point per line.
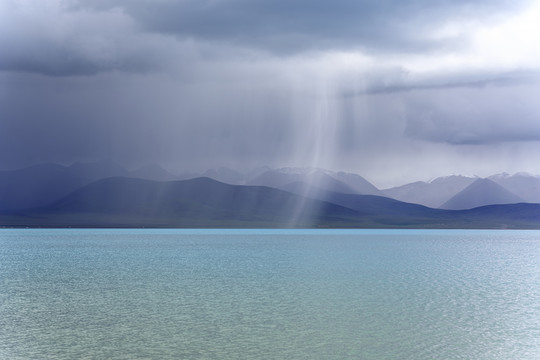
x=121, y=201
x=480, y=193
x=524, y=185
x=328, y=180
x=433, y=193
x=203, y=202
x=43, y=184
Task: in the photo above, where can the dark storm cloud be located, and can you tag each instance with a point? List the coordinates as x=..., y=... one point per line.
x=286, y=26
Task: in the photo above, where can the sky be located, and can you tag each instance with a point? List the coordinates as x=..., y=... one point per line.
x=394, y=90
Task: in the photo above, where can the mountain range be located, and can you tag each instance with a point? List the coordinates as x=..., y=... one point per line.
x=461, y=192
x=433, y=193
x=106, y=195
x=481, y=192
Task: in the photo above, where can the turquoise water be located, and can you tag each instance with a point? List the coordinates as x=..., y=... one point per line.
x=269, y=294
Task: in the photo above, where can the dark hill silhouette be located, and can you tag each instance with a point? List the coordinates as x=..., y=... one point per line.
x=136, y=202
x=521, y=212
x=41, y=184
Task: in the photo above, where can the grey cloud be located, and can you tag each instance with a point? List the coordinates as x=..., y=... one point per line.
x=397, y=80
x=475, y=116
x=62, y=61
x=90, y=37
x=285, y=26
x=46, y=39
x=155, y=96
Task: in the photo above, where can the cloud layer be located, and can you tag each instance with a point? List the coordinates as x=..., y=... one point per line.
x=391, y=89
x=285, y=26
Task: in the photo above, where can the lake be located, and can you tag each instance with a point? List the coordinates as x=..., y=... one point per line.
x=269, y=294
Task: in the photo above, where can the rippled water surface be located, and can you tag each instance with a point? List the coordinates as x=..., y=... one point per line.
x=269, y=294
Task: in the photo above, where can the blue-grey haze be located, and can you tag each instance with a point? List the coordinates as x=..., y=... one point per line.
x=394, y=90
x=269, y=294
